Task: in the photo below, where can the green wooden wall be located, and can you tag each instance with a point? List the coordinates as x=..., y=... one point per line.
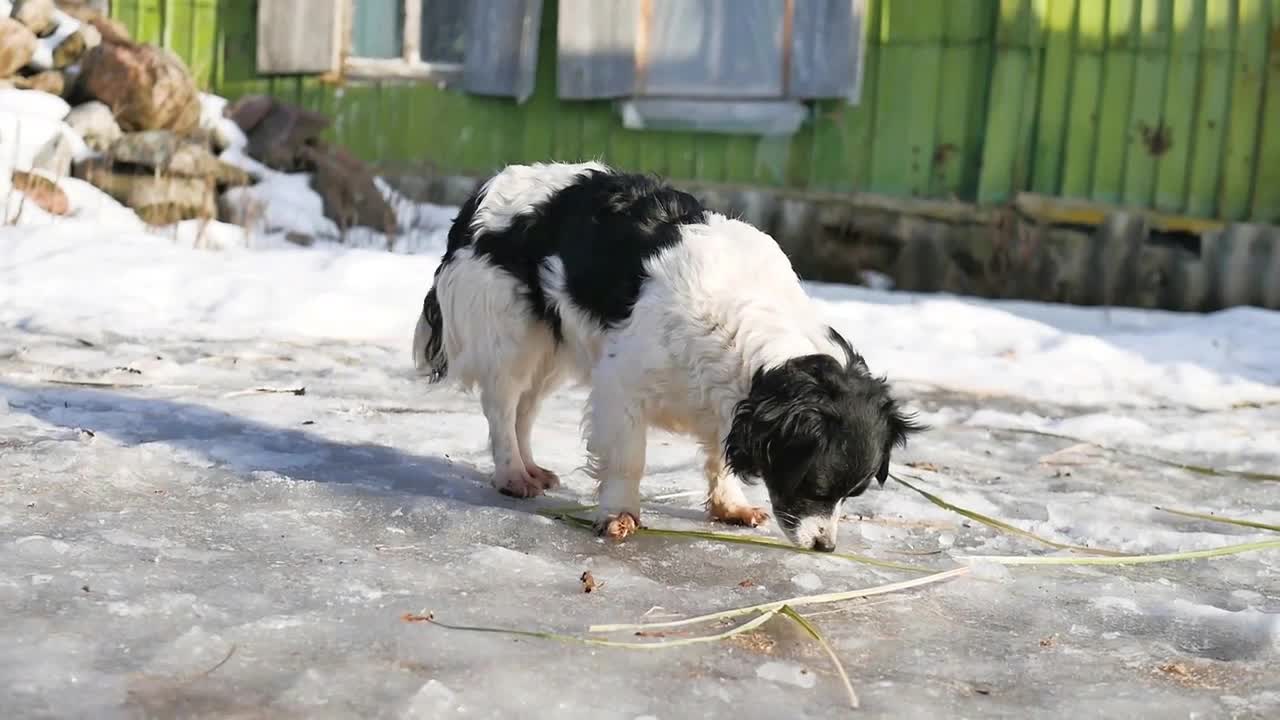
x=1166, y=104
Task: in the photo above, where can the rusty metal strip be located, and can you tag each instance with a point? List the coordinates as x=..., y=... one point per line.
x=643, y=27
x=788, y=24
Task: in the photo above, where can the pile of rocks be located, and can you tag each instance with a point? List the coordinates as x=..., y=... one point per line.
x=128, y=118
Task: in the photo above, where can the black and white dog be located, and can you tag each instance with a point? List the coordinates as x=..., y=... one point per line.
x=677, y=318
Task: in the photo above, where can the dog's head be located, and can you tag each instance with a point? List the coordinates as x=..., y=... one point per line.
x=817, y=431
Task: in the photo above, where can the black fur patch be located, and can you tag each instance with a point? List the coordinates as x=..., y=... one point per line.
x=603, y=228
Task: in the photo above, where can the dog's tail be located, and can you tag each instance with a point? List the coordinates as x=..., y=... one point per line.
x=428, y=340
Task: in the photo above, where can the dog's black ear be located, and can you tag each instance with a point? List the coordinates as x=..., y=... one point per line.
x=780, y=424
x=852, y=360
x=883, y=473
x=901, y=427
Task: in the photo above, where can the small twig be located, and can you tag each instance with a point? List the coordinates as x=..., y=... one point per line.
x=221, y=662
x=1216, y=518
x=1129, y=560
x=1000, y=524
x=566, y=516
x=656, y=645
x=835, y=659
x=107, y=385
x=793, y=602
x=267, y=391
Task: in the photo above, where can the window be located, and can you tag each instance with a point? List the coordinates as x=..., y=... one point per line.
x=407, y=38
x=489, y=46
x=735, y=66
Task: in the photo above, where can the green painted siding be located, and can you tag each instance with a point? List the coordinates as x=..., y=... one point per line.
x=1165, y=104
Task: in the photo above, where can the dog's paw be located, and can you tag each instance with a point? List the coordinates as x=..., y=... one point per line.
x=546, y=479
x=618, y=527
x=740, y=515
x=517, y=483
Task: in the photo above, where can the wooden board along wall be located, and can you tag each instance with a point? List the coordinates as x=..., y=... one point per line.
x=1165, y=104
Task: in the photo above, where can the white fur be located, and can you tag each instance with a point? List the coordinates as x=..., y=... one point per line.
x=519, y=188
x=717, y=306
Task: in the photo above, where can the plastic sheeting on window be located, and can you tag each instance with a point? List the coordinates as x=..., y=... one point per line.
x=712, y=49
x=502, y=47
x=709, y=49
x=595, y=54
x=826, y=50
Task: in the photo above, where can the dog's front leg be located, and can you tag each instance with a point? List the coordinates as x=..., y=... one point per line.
x=616, y=449
x=726, y=501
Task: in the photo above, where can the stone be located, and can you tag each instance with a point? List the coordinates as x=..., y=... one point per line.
x=147, y=88
x=158, y=200
x=42, y=191
x=94, y=122
x=17, y=46
x=351, y=198
x=35, y=14
x=49, y=81
x=167, y=154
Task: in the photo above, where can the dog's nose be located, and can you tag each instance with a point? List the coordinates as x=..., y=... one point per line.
x=822, y=543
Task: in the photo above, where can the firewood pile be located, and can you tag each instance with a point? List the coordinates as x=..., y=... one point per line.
x=79, y=98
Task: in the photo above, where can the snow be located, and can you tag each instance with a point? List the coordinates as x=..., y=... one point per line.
x=175, y=543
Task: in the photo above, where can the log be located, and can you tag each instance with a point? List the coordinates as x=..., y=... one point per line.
x=42, y=191
x=17, y=46
x=147, y=88
x=35, y=14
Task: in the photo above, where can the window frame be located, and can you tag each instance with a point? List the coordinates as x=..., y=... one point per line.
x=409, y=66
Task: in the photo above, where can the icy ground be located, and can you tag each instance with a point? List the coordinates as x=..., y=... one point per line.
x=173, y=546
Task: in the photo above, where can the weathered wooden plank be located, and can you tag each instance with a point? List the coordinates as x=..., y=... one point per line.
x=827, y=167
x=625, y=147
x=596, y=123
x=1180, y=105
x=856, y=164
x=1266, y=198
x=1082, y=111
x=1148, y=131
x=203, y=33
x=909, y=56
x=1055, y=96
x=1120, y=65
x=713, y=153
x=151, y=22
x=1249, y=62
x=682, y=154
x=299, y=36
x=965, y=63
x=798, y=158
x=772, y=154
x=568, y=136
x=740, y=166
x=1213, y=109
x=127, y=12
x=1027, y=124
x=539, y=130
x=922, y=118
x=1011, y=88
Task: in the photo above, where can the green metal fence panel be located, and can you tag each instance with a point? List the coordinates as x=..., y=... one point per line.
x=1167, y=104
